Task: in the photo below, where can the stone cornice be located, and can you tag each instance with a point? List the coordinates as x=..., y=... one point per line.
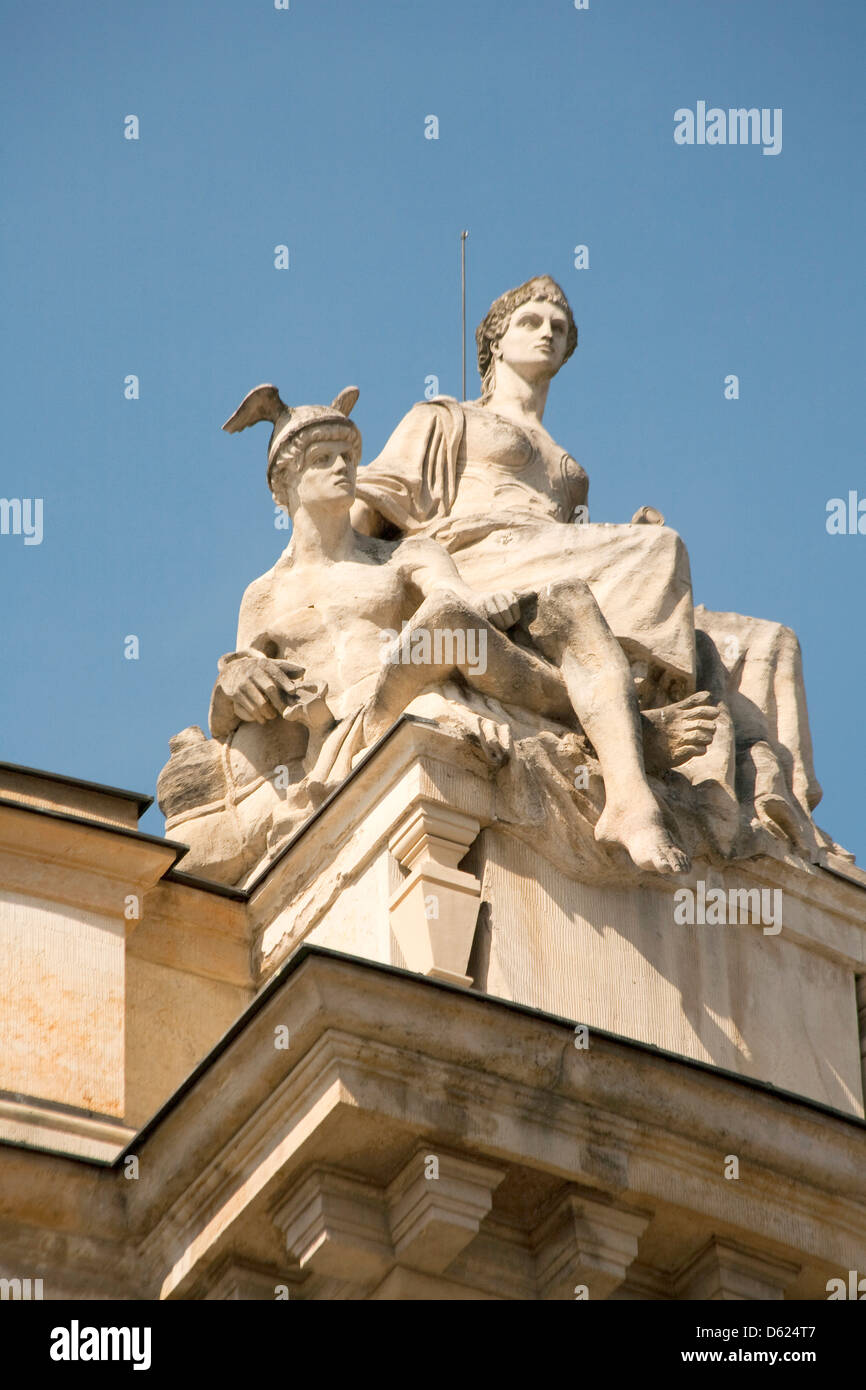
x=624, y=1120
x=68, y=858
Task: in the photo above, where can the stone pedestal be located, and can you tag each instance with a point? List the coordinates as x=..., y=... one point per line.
x=775, y=1001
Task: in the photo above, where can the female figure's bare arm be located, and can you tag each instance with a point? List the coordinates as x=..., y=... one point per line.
x=429, y=569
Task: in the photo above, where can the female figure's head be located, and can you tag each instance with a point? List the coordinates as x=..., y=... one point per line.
x=531, y=328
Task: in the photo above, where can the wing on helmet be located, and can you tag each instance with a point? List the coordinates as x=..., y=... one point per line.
x=262, y=403
x=345, y=401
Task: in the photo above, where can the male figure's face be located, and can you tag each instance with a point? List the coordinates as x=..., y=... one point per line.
x=535, y=340
x=327, y=477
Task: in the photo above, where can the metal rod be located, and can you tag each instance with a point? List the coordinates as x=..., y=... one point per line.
x=463, y=236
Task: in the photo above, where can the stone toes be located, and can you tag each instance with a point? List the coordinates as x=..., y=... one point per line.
x=675, y=861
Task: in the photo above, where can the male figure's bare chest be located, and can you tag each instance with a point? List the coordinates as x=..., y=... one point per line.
x=321, y=607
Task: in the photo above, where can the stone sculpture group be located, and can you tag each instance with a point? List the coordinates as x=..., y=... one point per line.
x=649, y=729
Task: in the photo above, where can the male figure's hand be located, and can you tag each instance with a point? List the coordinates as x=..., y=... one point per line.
x=258, y=687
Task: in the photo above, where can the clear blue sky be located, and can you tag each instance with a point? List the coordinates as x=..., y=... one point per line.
x=306, y=127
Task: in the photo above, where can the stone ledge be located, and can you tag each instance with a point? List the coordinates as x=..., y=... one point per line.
x=69, y=858
x=61, y=1129
x=55, y=791
x=194, y=931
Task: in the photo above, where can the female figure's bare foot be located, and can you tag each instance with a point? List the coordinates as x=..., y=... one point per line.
x=675, y=733
x=775, y=806
x=640, y=831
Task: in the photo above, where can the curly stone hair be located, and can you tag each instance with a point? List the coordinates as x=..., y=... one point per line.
x=497, y=318
x=290, y=459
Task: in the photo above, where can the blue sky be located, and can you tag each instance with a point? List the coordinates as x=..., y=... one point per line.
x=305, y=127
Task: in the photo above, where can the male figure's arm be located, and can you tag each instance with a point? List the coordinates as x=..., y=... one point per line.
x=251, y=685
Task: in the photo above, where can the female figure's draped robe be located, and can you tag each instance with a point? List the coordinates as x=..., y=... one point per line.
x=506, y=524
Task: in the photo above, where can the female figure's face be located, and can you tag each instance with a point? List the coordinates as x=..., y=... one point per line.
x=535, y=340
